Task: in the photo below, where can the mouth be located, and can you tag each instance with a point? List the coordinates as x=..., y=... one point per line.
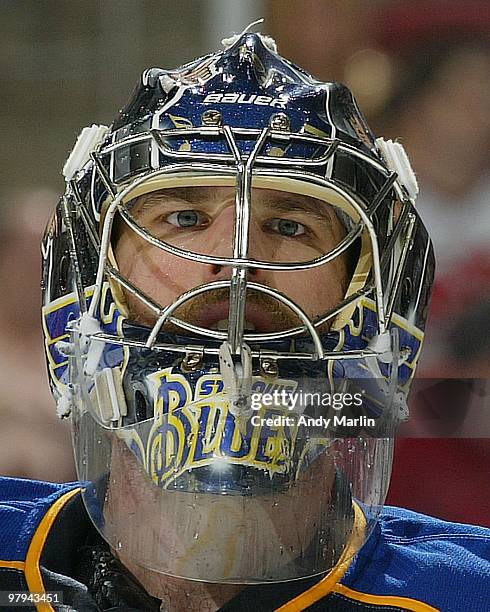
x=224, y=324
x=263, y=313
x=257, y=320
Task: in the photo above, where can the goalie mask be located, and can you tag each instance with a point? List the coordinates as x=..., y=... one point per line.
x=235, y=290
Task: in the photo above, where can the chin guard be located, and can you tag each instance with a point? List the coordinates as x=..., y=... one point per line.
x=237, y=377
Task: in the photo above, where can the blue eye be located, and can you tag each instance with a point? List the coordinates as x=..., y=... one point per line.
x=186, y=218
x=287, y=227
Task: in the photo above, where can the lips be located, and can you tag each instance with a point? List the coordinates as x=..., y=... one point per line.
x=215, y=316
x=263, y=313
x=225, y=323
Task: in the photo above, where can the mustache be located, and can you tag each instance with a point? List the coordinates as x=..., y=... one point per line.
x=279, y=317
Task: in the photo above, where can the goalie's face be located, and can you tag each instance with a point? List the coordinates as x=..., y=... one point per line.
x=284, y=227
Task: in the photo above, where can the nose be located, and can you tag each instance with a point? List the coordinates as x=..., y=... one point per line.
x=221, y=245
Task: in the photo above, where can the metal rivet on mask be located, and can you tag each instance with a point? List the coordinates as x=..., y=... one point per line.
x=269, y=367
x=280, y=121
x=245, y=54
x=191, y=362
x=212, y=117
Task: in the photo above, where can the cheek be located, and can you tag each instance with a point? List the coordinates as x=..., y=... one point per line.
x=316, y=290
x=160, y=275
x=272, y=248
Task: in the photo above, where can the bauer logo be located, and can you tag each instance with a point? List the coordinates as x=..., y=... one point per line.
x=241, y=98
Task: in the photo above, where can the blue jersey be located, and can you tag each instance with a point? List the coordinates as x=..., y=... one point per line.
x=409, y=562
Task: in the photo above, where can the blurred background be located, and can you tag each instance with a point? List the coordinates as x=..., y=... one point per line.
x=420, y=71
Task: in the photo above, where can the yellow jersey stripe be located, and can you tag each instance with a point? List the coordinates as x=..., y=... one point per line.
x=406, y=603
x=32, y=570
x=327, y=584
x=20, y=565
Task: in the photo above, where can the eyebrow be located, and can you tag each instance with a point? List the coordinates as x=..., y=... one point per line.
x=149, y=200
x=279, y=201
x=290, y=202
